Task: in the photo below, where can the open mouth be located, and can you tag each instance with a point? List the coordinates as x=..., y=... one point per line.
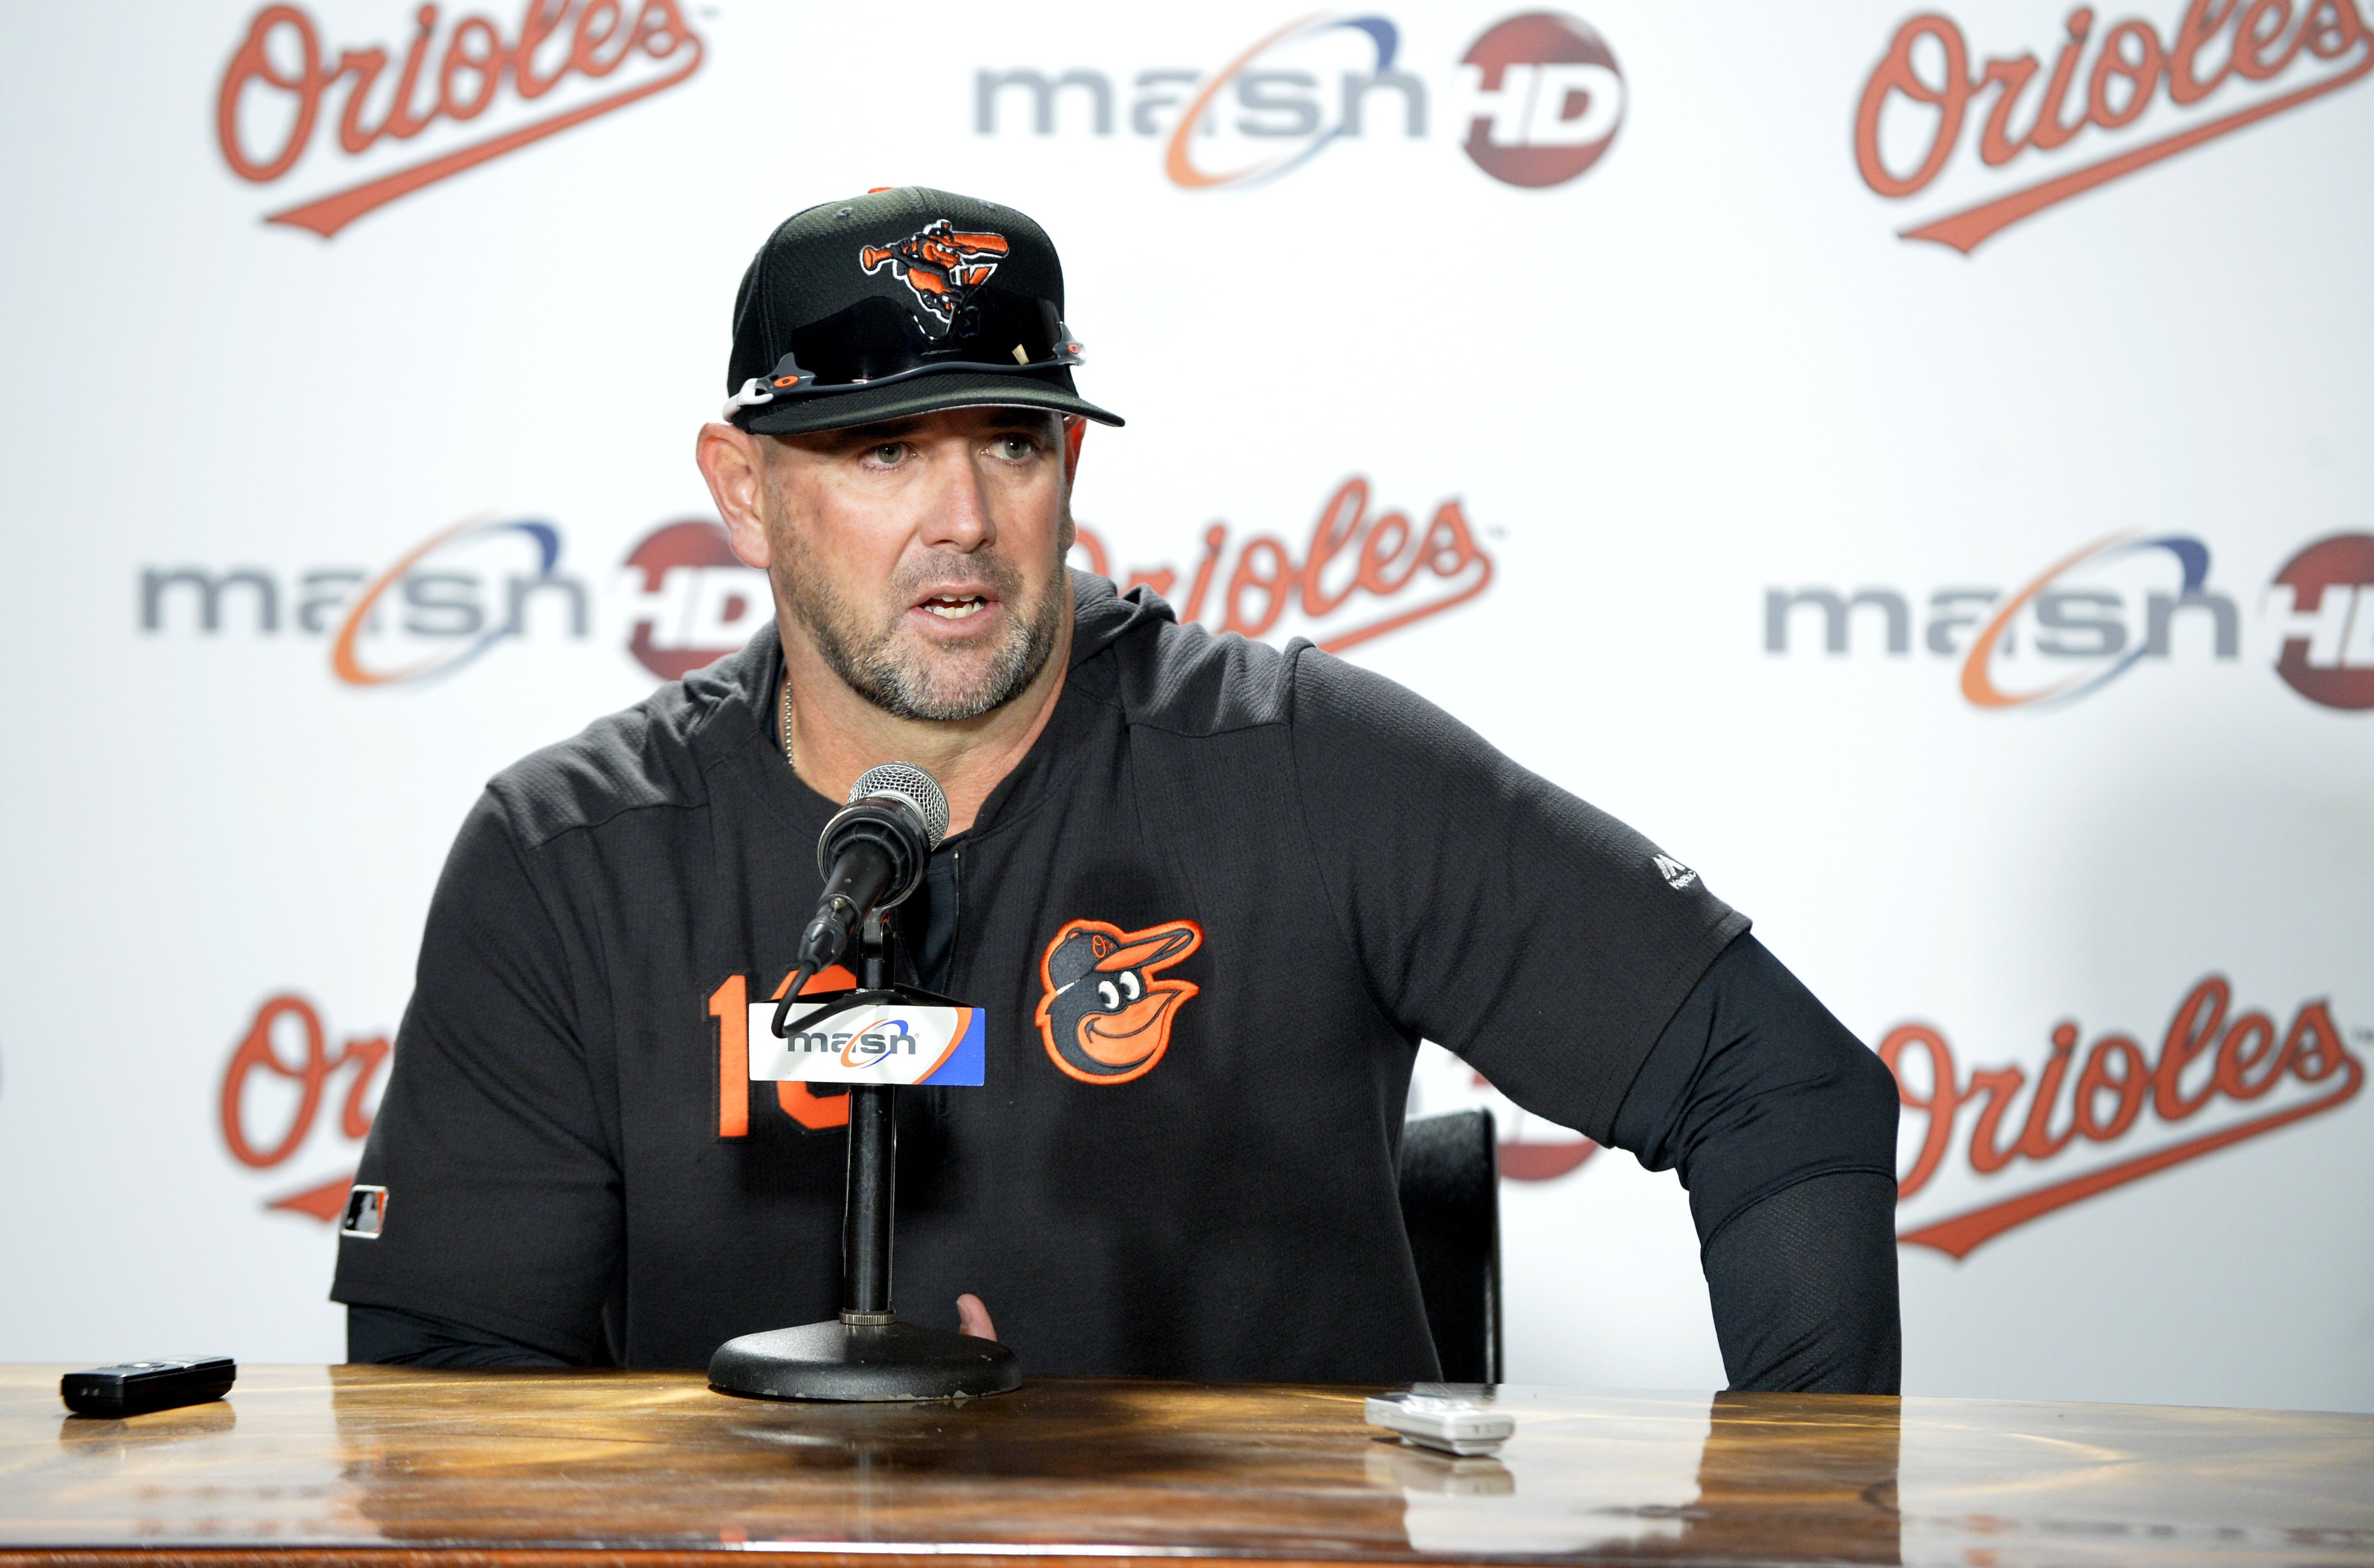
x=955, y=607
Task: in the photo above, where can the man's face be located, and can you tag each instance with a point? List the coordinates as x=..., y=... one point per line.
x=924, y=557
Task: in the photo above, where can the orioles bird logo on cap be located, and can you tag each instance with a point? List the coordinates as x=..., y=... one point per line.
x=1105, y=1020
x=938, y=264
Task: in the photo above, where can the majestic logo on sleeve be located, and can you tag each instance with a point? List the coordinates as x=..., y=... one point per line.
x=1104, y=1017
x=939, y=266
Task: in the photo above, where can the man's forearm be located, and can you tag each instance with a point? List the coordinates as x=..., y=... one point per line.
x=392, y=1337
x=1803, y=1288
x=1783, y=1125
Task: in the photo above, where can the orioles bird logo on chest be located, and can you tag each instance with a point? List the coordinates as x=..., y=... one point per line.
x=1105, y=1018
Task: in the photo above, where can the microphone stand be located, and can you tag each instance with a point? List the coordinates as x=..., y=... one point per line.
x=866, y=1353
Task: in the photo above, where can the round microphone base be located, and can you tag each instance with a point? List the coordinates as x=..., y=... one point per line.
x=862, y=1361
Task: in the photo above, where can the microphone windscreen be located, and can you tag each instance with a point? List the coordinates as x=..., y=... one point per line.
x=912, y=784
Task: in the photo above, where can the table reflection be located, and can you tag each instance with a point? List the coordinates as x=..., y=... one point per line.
x=661, y=1460
x=105, y=1437
x=1663, y=1474
x=377, y=1456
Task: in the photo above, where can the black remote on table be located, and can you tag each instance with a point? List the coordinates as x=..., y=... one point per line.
x=133, y=1388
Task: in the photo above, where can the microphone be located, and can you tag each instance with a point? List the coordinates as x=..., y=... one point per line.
x=871, y=855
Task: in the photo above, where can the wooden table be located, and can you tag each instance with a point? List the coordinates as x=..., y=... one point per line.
x=390, y=1466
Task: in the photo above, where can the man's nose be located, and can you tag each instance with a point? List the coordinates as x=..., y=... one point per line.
x=959, y=517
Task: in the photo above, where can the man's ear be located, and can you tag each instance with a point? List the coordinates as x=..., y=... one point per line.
x=730, y=460
x=1075, y=429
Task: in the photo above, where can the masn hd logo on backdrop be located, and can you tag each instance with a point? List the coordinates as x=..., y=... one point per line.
x=1548, y=96
x=2104, y=612
x=2116, y=99
x=1536, y=100
x=2323, y=601
x=296, y=100
x=437, y=609
x=449, y=601
x=687, y=600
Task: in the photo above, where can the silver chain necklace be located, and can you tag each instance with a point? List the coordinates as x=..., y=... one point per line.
x=786, y=720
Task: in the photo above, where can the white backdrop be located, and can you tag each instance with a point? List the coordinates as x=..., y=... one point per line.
x=1695, y=364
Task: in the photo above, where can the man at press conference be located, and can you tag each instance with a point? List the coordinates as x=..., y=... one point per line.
x=1279, y=872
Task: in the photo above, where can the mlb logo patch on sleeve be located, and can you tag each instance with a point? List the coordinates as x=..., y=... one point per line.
x=366, y=1211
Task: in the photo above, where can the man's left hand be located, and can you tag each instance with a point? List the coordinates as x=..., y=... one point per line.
x=974, y=1318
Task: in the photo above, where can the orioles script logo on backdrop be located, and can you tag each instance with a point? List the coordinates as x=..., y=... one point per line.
x=1358, y=576
x=283, y=83
x=2207, y=1072
x=2225, y=64
x=249, y=1099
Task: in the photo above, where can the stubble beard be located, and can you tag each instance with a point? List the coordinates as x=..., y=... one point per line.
x=878, y=661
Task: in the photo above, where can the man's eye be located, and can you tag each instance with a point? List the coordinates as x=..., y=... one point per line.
x=1129, y=986
x=888, y=453
x=1111, y=997
x=1015, y=448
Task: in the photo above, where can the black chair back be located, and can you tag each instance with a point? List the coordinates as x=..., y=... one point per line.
x=1450, y=1207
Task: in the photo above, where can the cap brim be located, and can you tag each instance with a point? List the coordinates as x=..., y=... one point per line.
x=924, y=395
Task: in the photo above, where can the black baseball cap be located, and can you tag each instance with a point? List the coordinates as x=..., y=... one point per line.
x=899, y=302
